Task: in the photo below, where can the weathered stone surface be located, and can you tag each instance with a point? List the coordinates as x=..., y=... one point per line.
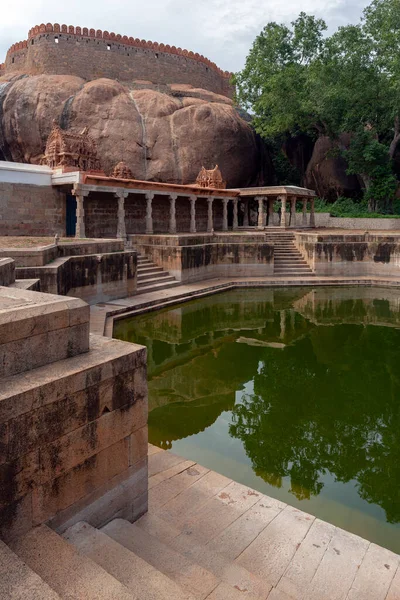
x=326, y=172
x=18, y=581
x=71, y=575
x=165, y=136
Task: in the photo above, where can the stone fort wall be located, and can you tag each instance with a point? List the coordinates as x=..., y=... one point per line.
x=91, y=54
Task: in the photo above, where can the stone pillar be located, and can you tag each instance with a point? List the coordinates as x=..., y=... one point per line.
x=312, y=213
x=246, y=214
x=283, y=210
x=172, y=213
x=149, y=212
x=193, y=214
x=225, y=214
x=235, y=213
x=121, y=226
x=210, y=222
x=293, y=211
x=80, y=213
x=271, y=212
x=260, y=223
x=304, y=219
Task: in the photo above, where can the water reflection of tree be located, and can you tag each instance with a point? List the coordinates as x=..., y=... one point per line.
x=329, y=403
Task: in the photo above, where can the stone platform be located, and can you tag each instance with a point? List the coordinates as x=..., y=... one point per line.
x=259, y=546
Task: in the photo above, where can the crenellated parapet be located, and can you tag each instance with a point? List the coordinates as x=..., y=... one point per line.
x=96, y=39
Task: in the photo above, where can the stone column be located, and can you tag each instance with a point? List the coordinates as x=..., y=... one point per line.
x=80, y=213
x=271, y=212
x=283, y=210
x=121, y=226
x=225, y=214
x=293, y=211
x=246, y=214
x=260, y=223
x=149, y=212
x=235, y=213
x=193, y=214
x=210, y=222
x=304, y=219
x=172, y=213
x=312, y=213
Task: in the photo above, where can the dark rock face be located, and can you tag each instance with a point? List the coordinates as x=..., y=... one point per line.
x=161, y=135
x=326, y=172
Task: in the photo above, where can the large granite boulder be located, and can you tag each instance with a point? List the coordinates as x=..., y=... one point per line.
x=326, y=171
x=163, y=135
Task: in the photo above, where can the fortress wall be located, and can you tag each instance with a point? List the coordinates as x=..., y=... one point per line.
x=100, y=54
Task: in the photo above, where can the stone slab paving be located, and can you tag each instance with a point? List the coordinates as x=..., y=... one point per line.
x=260, y=547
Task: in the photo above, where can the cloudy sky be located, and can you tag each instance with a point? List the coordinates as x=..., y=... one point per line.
x=222, y=30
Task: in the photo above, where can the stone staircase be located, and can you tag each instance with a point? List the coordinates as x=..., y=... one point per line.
x=152, y=278
x=287, y=258
x=204, y=537
x=121, y=561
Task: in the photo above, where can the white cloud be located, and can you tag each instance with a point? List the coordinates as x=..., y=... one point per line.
x=222, y=30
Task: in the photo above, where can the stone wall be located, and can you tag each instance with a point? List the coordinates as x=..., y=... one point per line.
x=94, y=278
x=351, y=254
x=73, y=425
x=31, y=210
x=94, y=54
x=325, y=220
x=7, y=271
x=197, y=257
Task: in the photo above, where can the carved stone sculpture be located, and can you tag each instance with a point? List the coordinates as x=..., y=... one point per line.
x=122, y=171
x=67, y=149
x=211, y=178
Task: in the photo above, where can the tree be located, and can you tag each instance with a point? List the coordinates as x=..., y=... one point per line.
x=297, y=81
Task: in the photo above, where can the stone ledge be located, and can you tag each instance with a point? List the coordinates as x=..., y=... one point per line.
x=38, y=329
x=105, y=360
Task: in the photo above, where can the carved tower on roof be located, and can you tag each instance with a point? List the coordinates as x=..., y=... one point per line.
x=211, y=178
x=67, y=149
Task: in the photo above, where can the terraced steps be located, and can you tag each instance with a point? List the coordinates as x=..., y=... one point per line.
x=151, y=277
x=67, y=571
x=287, y=258
x=205, y=537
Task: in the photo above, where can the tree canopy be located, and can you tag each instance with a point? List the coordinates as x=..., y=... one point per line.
x=297, y=80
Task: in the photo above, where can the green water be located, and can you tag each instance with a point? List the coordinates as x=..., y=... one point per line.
x=294, y=392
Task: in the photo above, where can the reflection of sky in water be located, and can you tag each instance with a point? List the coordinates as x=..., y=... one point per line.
x=239, y=364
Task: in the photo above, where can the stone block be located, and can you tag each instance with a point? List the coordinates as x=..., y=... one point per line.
x=138, y=444
x=60, y=493
x=16, y=518
x=78, y=446
x=17, y=478
x=126, y=493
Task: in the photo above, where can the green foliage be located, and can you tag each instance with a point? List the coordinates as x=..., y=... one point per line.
x=347, y=207
x=283, y=169
x=295, y=80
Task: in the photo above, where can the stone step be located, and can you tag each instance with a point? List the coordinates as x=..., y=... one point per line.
x=18, y=581
x=71, y=574
x=293, y=272
x=162, y=278
x=144, y=289
x=152, y=276
x=291, y=265
x=149, y=269
x=234, y=578
x=190, y=576
x=294, y=260
x=146, y=582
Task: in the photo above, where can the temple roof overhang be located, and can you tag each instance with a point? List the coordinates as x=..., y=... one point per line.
x=277, y=190
x=101, y=183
